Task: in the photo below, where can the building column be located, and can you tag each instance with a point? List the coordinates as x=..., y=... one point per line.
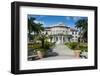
x=66, y=39
x=59, y=39
x=62, y=39
x=53, y=39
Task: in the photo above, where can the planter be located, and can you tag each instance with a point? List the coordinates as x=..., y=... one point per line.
x=85, y=54
x=77, y=53
x=39, y=54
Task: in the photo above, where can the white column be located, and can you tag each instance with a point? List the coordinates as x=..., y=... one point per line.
x=59, y=39
x=66, y=39
x=62, y=39
x=53, y=39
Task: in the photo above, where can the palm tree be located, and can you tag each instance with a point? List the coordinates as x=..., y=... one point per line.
x=42, y=38
x=31, y=27
x=39, y=34
x=39, y=28
x=34, y=27
x=82, y=25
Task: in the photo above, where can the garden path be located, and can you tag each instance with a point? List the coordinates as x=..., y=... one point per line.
x=63, y=53
x=63, y=50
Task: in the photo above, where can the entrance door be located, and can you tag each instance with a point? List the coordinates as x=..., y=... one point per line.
x=59, y=40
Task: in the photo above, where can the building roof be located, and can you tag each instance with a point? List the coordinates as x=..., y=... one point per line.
x=60, y=24
x=73, y=29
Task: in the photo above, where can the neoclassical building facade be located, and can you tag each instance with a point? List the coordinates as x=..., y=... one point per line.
x=60, y=33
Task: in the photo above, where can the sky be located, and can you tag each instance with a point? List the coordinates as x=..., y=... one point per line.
x=48, y=20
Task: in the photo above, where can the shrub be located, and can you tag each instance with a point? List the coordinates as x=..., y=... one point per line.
x=73, y=45
x=47, y=45
x=77, y=46
x=38, y=47
x=84, y=47
x=34, y=46
x=68, y=44
x=42, y=50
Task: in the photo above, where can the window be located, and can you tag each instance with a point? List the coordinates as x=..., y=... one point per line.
x=75, y=39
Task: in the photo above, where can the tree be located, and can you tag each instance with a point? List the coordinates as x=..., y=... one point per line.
x=31, y=27
x=34, y=27
x=41, y=36
x=39, y=28
x=82, y=25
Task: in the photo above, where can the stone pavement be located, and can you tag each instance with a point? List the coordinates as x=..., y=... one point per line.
x=62, y=49
x=63, y=53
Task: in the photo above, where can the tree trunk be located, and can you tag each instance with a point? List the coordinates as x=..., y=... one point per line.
x=42, y=43
x=29, y=33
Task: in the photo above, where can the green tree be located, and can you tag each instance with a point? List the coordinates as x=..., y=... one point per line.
x=83, y=26
x=39, y=34
x=31, y=27
x=34, y=27
x=39, y=28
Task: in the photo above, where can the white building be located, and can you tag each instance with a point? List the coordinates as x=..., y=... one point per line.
x=60, y=33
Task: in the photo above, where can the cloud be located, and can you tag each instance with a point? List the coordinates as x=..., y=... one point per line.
x=68, y=18
x=72, y=25
x=36, y=21
x=74, y=18
x=41, y=22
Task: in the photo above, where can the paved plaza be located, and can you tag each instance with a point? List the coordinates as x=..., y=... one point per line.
x=63, y=53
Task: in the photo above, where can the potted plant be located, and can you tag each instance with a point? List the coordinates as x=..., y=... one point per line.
x=75, y=46
x=84, y=51
x=77, y=52
x=38, y=50
x=40, y=53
